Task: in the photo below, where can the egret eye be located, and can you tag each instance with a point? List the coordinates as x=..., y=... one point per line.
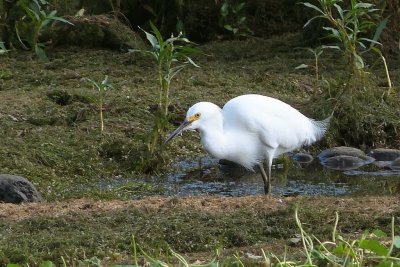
x=197, y=115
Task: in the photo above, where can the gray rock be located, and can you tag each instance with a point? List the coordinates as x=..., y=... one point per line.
x=344, y=162
x=340, y=151
x=395, y=165
x=303, y=157
x=384, y=154
x=17, y=189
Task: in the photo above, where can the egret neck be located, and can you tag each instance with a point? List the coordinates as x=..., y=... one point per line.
x=212, y=135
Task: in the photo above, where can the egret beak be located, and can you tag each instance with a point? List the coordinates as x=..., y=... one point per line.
x=178, y=130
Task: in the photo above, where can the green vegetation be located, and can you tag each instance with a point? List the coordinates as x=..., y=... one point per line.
x=3, y=49
x=33, y=22
x=102, y=88
x=232, y=18
x=317, y=52
x=172, y=56
x=349, y=29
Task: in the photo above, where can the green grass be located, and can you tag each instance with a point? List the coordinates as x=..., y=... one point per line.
x=108, y=237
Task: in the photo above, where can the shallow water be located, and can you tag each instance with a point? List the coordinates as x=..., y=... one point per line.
x=295, y=179
x=207, y=177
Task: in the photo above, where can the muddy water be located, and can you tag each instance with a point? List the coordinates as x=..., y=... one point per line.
x=206, y=177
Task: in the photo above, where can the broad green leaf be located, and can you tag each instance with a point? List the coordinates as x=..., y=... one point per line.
x=376, y=50
x=37, y=3
x=3, y=48
x=174, y=71
x=334, y=32
x=156, y=32
x=331, y=47
x=146, y=52
x=238, y=8
x=188, y=50
x=339, y=249
x=63, y=20
x=151, y=38
x=94, y=84
x=228, y=27
x=374, y=246
x=340, y=10
x=12, y=265
x=362, y=44
x=363, y=5
x=40, y=53
x=52, y=14
x=359, y=62
x=380, y=28
x=379, y=233
x=313, y=7
x=373, y=10
x=35, y=14
x=370, y=41
x=192, y=62
x=366, y=25
x=310, y=20
x=301, y=66
x=241, y=20
x=44, y=23
x=396, y=241
x=224, y=9
x=35, y=7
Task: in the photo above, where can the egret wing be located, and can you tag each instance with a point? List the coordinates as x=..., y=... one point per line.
x=277, y=124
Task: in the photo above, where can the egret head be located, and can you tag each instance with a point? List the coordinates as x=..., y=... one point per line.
x=196, y=117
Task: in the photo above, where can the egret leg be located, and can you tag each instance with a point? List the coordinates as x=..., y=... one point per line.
x=266, y=179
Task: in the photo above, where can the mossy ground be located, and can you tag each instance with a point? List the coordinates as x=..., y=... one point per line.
x=81, y=229
x=50, y=134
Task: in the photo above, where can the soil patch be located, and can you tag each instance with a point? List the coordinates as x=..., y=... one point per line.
x=380, y=206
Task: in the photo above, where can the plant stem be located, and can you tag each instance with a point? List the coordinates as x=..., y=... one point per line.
x=101, y=115
x=387, y=73
x=134, y=251
x=160, y=81
x=335, y=226
x=392, y=236
x=303, y=237
x=316, y=66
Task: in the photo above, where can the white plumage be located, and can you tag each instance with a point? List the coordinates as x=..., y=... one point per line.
x=251, y=130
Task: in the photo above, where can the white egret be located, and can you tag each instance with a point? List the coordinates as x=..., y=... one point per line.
x=251, y=130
